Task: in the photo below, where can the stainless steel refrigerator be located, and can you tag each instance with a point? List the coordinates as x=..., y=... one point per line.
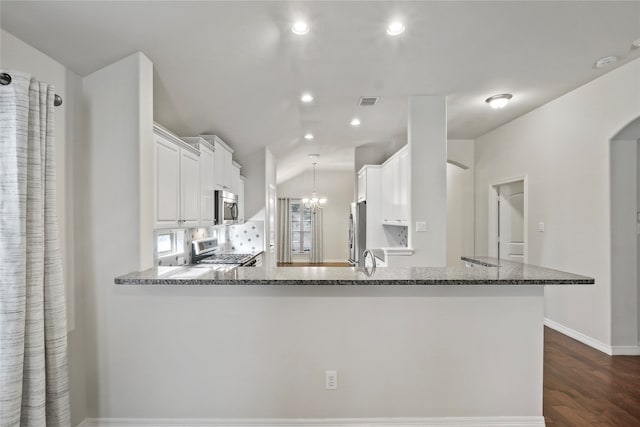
x=357, y=233
x=353, y=252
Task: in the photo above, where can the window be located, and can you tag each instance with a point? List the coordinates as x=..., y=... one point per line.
x=300, y=227
x=166, y=242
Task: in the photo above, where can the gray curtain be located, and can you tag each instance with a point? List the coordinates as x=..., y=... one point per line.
x=284, y=230
x=316, y=235
x=34, y=388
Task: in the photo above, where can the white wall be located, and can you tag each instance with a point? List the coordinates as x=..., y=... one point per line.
x=259, y=170
x=563, y=148
x=117, y=228
x=337, y=187
x=261, y=352
x=17, y=55
x=460, y=200
x=427, y=140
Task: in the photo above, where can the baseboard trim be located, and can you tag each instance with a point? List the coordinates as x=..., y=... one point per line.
x=579, y=336
x=319, y=422
x=626, y=350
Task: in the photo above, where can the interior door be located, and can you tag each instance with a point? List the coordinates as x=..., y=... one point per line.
x=511, y=221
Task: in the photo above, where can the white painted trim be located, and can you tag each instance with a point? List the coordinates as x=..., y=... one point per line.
x=397, y=251
x=318, y=422
x=625, y=350
x=84, y=423
x=579, y=336
x=493, y=215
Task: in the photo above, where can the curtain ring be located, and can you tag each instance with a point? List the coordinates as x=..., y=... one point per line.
x=5, y=79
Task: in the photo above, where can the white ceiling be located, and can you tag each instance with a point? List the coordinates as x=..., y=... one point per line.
x=235, y=68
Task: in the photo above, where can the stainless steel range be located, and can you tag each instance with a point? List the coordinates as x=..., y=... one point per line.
x=206, y=251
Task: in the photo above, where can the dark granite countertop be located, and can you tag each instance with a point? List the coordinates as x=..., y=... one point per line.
x=484, y=271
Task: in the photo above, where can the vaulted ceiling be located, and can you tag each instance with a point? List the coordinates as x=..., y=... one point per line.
x=237, y=70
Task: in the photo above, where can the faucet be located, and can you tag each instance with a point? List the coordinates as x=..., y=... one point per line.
x=373, y=259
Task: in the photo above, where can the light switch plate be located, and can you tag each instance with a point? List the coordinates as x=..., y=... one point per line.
x=541, y=227
x=331, y=380
x=421, y=226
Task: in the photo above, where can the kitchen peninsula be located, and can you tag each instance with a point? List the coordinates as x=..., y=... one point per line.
x=456, y=344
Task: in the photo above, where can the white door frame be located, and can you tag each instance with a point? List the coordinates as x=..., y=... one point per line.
x=493, y=215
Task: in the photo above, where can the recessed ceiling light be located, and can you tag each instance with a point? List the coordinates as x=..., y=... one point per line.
x=306, y=98
x=300, y=28
x=499, y=101
x=308, y=136
x=606, y=61
x=395, y=28
x=355, y=122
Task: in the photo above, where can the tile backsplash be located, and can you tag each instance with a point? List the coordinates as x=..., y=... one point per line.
x=247, y=237
x=397, y=235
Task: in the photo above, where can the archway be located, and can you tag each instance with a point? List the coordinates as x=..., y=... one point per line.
x=625, y=239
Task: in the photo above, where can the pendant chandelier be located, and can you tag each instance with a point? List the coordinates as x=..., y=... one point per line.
x=314, y=200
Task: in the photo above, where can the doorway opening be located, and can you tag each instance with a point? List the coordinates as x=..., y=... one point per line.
x=508, y=220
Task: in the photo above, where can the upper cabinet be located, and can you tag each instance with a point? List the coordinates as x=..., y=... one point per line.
x=223, y=163
x=235, y=178
x=207, y=179
x=395, y=189
x=176, y=181
x=240, y=194
x=362, y=185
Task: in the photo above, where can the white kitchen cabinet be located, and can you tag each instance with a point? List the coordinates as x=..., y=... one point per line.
x=190, y=188
x=223, y=163
x=362, y=185
x=403, y=173
x=207, y=179
x=240, y=193
x=395, y=189
x=235, y=177
x=176, y=181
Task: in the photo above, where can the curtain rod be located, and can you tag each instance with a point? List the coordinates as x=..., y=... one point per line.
x=5, y=79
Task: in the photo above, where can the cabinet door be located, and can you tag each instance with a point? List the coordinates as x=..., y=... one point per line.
x=207, y=187
x=219, y=167
x=387, y=193
x=228, y=174
x=190, y=183
x=166, y=183
x=240, y=201
x=362, y=186
x=404, y=175
x=235, y=179
x=395, y=177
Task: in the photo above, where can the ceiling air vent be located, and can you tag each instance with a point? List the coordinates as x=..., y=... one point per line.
x=368, y=101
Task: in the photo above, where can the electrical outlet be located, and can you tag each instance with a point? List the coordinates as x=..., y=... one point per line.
x=331, y=380
x=421, y=226
x=541, y=227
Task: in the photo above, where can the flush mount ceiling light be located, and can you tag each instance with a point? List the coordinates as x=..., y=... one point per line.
x=306, y=97
x=308, y=136
x=355, y=122
x=499, y=101
x=395, y=28
x=300, y=28
x=606, y=61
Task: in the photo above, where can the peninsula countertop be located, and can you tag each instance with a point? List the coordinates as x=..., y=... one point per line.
x=477, y=271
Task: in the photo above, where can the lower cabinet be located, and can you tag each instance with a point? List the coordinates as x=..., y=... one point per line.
x=176, y=181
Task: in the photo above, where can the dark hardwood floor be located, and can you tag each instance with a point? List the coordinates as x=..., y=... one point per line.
x=584, y=387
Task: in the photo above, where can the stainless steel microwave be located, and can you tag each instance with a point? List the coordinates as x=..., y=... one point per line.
x=226, y=208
